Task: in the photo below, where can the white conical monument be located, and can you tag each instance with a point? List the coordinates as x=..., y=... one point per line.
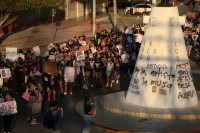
x=162, y=76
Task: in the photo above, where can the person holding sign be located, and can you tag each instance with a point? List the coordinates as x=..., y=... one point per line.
x=7, y=119
x=34, y=98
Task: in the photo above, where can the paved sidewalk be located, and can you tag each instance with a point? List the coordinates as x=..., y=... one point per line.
x=127, y=123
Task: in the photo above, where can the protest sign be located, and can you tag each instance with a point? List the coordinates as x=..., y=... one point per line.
x=7, y=108
x=50, y=46
x=191, y=15
x=59, y=57
x=80, y=55
x=49, y=66
x=36, y=50
x=182, y=20
x=11, y=53
x=51, y=57
x=26, y=95
x=68, y=57
x=5, y=73
x=128, y=31
x=85, y=47
x=188, y=24
x=20, y=55
x=36, y=108
x=69, y=73
x=93, y=50
x=91, y=55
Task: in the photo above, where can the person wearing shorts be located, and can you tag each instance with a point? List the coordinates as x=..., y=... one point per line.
x=34, y=98
x=109, y=68
x=188, y=44
x=68, y=81
x=51, y=85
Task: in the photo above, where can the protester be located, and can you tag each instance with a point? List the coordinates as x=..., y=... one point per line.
x=33, y=99
x=109, y=70
x=89, y=110
x=7, y=119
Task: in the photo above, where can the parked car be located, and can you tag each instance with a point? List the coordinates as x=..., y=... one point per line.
x=142, y=7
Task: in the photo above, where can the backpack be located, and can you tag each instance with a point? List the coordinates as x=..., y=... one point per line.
x=48, y=121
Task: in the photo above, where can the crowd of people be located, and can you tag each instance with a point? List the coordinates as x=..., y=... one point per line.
x=191, y=31
x=108, y=52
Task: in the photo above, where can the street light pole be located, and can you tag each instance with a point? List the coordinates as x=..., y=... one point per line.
x=115, y=14
x=52, y=14
x=94, y=18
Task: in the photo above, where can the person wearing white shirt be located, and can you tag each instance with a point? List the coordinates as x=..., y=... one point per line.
x=125, y=61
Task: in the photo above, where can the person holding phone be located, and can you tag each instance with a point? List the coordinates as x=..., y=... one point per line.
x=57, y=113
x=89, y=110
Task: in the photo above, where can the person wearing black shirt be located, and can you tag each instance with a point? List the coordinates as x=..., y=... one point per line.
x=89, y=110
x=87, y=69
x=98, y=67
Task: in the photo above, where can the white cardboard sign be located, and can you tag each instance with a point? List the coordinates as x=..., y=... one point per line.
x=7, y=108
x=11, y=53
x=5, y=73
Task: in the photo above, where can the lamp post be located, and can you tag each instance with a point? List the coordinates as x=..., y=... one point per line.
x=53, y=14
x=115, y=14
x=94, y=17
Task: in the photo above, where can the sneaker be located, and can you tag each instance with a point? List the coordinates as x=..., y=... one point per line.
x=65, y=93
x=70, y=93
x=92, y=86
x=34, y=121
x=86, y=87
x=29, y=117
x=113, y=81
x=107, y=85
x=110, y=84
x=117, y=81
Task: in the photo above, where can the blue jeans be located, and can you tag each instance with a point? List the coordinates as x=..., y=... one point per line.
x=57, y=128
x=125, y=68
x=87, y=120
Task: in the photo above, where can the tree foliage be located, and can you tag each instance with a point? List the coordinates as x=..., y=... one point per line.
x=8, y=7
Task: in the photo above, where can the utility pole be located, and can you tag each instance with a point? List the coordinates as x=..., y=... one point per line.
x=115, y=14
x=94, y=18
x=52, y=14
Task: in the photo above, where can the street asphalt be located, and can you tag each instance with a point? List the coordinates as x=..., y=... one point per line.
x=43, y=35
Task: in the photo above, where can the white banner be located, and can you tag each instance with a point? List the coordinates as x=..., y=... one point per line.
x=36, y=50
x=5, y=73
x=80, y=55
x=7, y=108
x=69, y=73
x=11, y=53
